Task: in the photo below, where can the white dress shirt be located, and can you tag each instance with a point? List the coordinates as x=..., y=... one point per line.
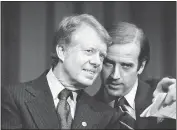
x=56, y=87
x=130, y=97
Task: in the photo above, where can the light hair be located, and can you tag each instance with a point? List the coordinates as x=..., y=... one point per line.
x=70, y=24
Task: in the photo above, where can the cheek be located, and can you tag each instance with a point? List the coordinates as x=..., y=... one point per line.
x=73, y=65
x=78, y=61
x=130, y=78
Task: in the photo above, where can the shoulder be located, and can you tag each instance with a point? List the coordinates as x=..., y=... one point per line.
x=148, y=86
x=20, y=90
x=144, y=86
x=13, y=88
x=152, y=83
x=144, y=95
x=16, y=91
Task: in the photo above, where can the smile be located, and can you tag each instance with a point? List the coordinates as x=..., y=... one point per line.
x=90, y=71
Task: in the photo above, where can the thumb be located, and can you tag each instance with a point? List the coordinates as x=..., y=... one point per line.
x=171, y=95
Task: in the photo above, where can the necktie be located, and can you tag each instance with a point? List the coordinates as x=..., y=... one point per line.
x=127, y=121
x=63, y=109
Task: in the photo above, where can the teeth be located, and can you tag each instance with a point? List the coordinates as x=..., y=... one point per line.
x=88, y=71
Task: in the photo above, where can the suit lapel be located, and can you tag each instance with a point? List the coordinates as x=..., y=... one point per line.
x=41, y=105
x=143, y=99
x=86, y=117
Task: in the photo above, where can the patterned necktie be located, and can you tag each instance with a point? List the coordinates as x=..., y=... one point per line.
x=126, y=120
x=63, y=109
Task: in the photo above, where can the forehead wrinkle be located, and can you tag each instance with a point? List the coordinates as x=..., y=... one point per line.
x=121, y=59
x=118, y=57
x=113, y=52
x=95, y=47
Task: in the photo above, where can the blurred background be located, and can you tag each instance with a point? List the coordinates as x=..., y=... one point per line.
x=28, y=28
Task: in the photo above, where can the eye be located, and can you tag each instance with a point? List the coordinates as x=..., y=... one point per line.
x=89, y=51
x=127, y=65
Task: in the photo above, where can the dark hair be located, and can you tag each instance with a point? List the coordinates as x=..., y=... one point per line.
x=125, y=32
x=69, y=24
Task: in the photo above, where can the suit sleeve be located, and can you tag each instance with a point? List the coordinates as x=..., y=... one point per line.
x=10, y=114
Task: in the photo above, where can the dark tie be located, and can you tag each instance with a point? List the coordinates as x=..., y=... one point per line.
x=63, y=109
x=126, y=120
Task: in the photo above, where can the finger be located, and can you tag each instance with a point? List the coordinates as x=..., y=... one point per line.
x=168, y=100
x=166, y=83
x=171, y=95
x=163, y=85
x=170, y=77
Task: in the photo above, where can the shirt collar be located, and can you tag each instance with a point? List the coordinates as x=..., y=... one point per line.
x=55, y=86
x=130, y=97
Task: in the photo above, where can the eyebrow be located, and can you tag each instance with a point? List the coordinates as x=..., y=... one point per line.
x=127, y=63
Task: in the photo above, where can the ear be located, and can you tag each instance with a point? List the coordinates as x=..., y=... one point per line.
x=60, y=52
x=142, y=67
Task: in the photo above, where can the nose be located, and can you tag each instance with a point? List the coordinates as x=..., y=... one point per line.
x=95, y=60
x=116, y=72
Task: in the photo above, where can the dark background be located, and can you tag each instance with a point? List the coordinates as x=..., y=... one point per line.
x=27, y=30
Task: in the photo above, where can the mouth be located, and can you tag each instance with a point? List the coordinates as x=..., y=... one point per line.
x=114, y=86
x=90, y=71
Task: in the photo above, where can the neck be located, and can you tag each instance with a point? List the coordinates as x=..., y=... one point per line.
x=64, y=79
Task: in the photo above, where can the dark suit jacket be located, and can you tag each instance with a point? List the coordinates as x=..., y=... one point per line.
x=143, y=99
x=30, y=106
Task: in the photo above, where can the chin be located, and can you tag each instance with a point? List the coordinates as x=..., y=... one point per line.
x=86, y=82
x=114, y=93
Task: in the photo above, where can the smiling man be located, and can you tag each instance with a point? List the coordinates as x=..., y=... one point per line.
x=56, y=99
